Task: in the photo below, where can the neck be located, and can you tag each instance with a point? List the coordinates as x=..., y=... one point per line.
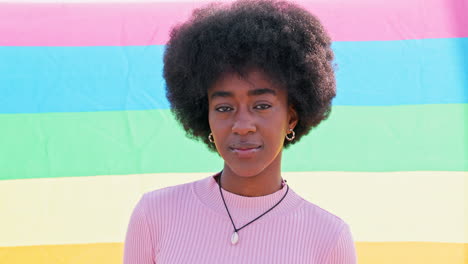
x=264, y=183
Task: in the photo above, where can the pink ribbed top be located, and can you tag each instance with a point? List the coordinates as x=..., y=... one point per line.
x=188, y=223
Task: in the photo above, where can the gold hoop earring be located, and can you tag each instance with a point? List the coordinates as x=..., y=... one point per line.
x=291, y=138
x=210, y=137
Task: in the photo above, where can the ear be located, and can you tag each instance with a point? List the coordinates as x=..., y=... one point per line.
x=293, y=117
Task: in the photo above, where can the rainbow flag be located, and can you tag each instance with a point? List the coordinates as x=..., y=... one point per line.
x=85, y=128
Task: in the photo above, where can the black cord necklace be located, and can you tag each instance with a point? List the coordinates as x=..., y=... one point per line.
x=235, y=235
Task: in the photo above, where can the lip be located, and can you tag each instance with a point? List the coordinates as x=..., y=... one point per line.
x=245, y=150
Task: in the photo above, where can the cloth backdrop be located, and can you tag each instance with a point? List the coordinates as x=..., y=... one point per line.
x=85, y=128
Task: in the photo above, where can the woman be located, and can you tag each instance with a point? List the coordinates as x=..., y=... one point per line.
x=247, y=79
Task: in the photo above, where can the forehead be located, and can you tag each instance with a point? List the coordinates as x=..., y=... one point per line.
x=253, y=79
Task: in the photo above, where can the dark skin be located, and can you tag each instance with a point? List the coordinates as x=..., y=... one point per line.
x=249, y=118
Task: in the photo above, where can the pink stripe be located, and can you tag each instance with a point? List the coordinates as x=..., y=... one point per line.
x=94, y=24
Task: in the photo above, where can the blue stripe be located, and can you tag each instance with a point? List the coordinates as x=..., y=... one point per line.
x=404, y=72
x=83, y=79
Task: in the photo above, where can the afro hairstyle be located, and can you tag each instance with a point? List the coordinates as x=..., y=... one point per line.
x=282, y=39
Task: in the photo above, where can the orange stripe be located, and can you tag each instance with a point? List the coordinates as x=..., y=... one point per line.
x=368, y=253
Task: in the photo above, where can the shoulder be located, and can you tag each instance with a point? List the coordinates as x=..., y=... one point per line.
x=321, y=213
x=170, y=194
x=160, y=206
x=332, y=232
x=322, y=218
x=335, y=235
x=178, y=197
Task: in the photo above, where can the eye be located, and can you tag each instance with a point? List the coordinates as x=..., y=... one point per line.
x=262, y=106
x=224, y=109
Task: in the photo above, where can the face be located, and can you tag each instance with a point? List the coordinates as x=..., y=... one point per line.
x=249, y=118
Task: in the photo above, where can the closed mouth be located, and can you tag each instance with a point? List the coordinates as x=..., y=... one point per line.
x=245, y=151
x=244, y=146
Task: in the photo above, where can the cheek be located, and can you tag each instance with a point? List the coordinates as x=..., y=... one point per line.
x=220, y=128
x=213, y=121
x=275, y=130
x=280, y=120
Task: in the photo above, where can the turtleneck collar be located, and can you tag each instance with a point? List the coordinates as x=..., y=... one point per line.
x=243, y=208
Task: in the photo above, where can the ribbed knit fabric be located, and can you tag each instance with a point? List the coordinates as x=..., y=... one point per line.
x=188, y=223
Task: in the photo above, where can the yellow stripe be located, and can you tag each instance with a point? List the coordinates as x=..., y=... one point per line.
x=411, y=253
x=99, y=253
x=368, y=253
x=379, y=207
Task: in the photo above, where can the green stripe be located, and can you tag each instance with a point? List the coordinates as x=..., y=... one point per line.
x=354, y=138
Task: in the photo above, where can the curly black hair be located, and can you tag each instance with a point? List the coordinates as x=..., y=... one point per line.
x=285, y=41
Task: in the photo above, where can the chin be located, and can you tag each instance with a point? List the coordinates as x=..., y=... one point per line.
x=246, y=171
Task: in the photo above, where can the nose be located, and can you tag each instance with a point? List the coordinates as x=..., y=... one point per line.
x=244, y=122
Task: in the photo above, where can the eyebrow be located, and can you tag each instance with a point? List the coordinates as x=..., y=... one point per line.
x=255, y=92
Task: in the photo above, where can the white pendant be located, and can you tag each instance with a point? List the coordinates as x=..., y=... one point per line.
x=234, y=238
